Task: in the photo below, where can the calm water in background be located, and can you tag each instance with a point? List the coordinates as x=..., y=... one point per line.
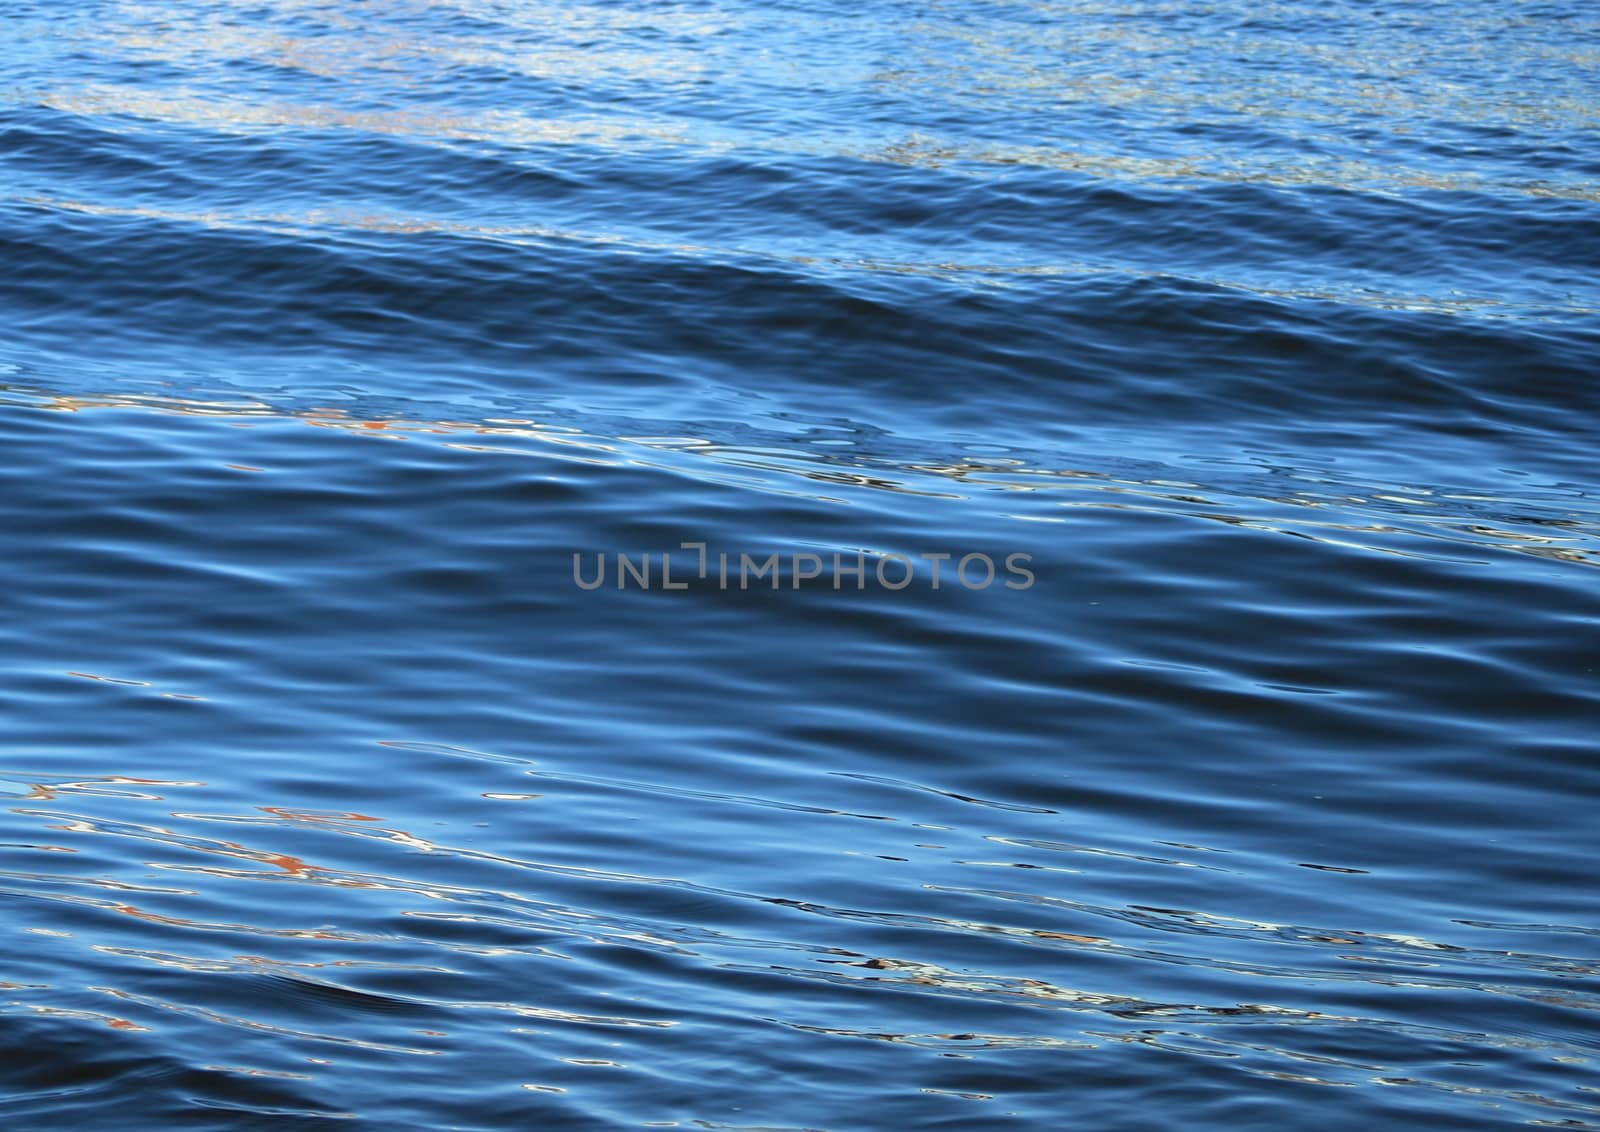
x=331, y=330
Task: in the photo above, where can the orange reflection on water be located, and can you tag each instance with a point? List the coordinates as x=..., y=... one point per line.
x=314, y=815
x=1433, y=519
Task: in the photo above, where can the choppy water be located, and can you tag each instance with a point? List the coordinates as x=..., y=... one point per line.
x=1268, y=330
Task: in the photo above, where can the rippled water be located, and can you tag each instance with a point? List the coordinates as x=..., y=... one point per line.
x=1268, y=330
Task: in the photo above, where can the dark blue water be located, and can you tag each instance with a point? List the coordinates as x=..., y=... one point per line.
x=1265, y=335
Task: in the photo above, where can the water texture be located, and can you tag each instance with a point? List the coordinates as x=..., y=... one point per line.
x=1267, y=331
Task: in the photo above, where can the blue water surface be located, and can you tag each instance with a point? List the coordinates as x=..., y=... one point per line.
x=1266, y=334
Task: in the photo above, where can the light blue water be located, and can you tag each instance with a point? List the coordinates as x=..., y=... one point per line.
x=1265, y=332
